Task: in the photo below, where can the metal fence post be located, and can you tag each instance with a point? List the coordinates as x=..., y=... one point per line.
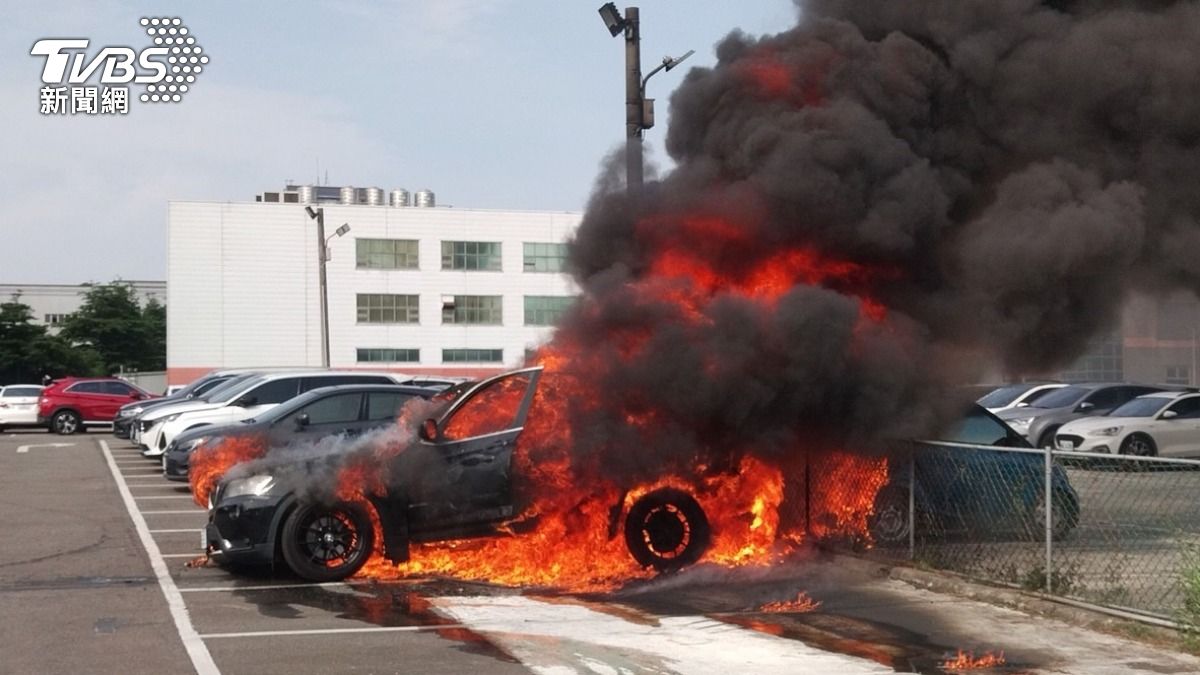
x=1048, y=505
x=912, y=502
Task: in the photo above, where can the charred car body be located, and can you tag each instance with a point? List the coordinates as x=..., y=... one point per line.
x=454, y=482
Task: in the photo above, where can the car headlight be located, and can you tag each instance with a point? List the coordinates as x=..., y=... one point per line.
x=1021, y=422
x=254, y=486
x=172, y=418
x=195, y=443
x=131, y=412
x=1108, y=431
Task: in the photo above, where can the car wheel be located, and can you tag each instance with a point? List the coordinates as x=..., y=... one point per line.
x=667, y=530
x=327, y=543
x=1047, y=439
x=1139, y=445
x=889, y=523
x=1063, y=519
x=65, y=422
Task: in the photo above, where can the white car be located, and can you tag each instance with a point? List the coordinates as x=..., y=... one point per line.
x=1163, y=424
x=258, y=395
x=1017, y=395
x=19, y=405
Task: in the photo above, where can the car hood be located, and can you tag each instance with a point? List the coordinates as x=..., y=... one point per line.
x=1090, y=424
x=179, y=407
x=1027, y=411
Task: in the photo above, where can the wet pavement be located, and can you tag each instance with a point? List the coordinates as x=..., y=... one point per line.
x=85, y=588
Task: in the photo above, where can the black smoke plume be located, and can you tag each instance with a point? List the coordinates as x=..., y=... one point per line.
x=1011, y=169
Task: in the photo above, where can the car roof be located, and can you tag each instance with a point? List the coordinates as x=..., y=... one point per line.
x=1169, y=394
x=267, y=377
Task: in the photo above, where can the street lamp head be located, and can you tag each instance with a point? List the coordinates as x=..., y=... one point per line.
x=612, y=18
x=342, y=230
x=670, y=63
x=311, y=213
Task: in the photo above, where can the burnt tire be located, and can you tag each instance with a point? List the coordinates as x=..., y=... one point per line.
x=667, y=530
x=66, y=422
x=327, y=542
x=889, y=523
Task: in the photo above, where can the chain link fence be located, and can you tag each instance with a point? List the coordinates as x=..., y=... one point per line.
x=1121, y=532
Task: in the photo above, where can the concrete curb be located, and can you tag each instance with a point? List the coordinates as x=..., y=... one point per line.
x=952, y=583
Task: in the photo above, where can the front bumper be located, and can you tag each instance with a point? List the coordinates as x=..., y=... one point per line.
x=122, y=426
x=175, y=465
x=241, y=531
x=1077, y=443
x=153, y=442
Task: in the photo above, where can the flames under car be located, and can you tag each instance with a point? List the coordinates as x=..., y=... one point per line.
x=454, y=482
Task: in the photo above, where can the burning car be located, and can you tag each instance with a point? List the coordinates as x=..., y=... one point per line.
x=455, y=482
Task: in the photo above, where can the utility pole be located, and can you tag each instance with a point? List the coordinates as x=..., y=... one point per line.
x=633, y=101
x=323, y=257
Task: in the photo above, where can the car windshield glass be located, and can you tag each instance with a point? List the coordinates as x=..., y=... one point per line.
x=226, y=393
x=1061, y=398
x=1140, y=407
x=489, y=410
x=14, y=392
x=977, y=428
x=1003, y=396
x=284, y=409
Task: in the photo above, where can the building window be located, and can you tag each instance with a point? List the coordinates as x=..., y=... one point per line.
x=383, y=308
x=56, y=319
x=389, y=355
x=472, y=355
x=1179, y=375
x=473, y=309
x=545, y=257
x=545, y=310
x=471, y=255
x=387, y=254
x=1102, y=362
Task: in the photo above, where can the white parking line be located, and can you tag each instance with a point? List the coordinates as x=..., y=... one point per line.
x=268, y=587
x=196, y=510
x=177, y=530
x=330, y=631
x=165, y=497
x=202, y=661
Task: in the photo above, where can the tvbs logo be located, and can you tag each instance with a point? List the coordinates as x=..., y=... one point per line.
x=167, y=69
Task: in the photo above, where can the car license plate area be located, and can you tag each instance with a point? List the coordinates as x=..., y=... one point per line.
x=1066, y=445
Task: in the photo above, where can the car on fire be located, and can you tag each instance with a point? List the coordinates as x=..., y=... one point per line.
x=454, y=482
x=980, y=476
x=347, y=410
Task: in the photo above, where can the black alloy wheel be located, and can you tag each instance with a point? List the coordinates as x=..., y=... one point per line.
x=667, y=530
x=1139, y=445
x=65, y=422
x=327, y=543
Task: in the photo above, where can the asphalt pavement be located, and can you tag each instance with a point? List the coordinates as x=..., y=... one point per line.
x=94, y=577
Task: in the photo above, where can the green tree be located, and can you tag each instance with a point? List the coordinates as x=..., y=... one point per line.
x=28, y=351
x=123, y=334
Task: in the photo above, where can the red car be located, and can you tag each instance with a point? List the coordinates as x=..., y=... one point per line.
x=73, y=404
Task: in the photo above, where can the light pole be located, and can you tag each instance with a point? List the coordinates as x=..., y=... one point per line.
x=323, y=257
x=639, y=110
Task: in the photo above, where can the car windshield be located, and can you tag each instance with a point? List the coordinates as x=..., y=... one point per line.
x=1062, y=397
x=14, y=392
x=1141, y=407
x=1003, y=396
x=284, y=409
x=227, y=391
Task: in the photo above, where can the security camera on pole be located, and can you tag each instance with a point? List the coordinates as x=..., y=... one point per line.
x=639, y=110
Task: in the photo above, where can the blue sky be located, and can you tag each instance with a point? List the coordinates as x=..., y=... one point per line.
x=490, y=103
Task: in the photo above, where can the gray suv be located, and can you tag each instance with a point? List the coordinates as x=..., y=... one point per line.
x=1040, y=420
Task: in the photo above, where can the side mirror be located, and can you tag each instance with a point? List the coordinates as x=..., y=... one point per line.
x=428, y=431
x=1086, y=406
x=246, y=401
x=302, y=420
x=1168, y=414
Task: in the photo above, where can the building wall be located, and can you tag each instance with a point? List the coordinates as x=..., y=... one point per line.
x=51, y=302
x=243, y=289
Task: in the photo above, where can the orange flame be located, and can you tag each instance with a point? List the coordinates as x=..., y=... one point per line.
x=801, y=604
x=209, y=462
x=968, y=661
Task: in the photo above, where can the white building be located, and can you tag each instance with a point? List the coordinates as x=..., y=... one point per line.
x=421, y=290
x=52, y=303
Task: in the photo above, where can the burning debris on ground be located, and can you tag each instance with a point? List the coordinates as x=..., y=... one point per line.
x=865, y=211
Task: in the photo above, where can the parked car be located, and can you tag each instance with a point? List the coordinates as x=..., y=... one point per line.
x=254, y=397
x=455, y=482
x=350, y=409
x=964, y=490
x=123, y=422
x=1016, y=395
x=73, y=404
x=1164, y=424
x=19, y=405
x=1040, y=421
x=154, y=411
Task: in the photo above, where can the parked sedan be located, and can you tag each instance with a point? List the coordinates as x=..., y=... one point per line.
x=349, y=409
x=1016, y=395
x=1041, y=420
x=126, y=414
x=1165, y=424
x=19, y=405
